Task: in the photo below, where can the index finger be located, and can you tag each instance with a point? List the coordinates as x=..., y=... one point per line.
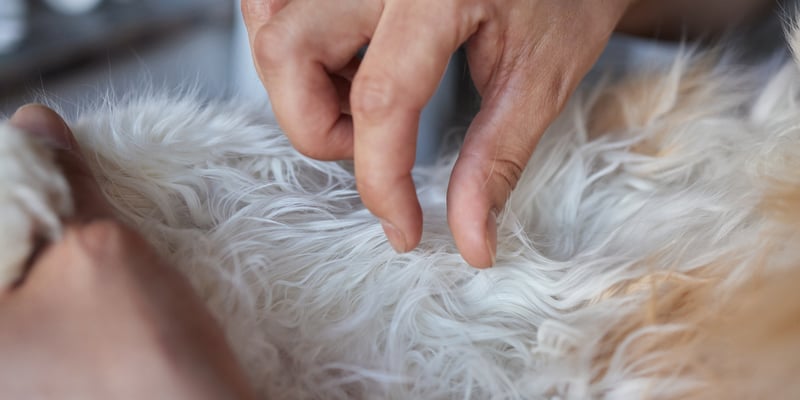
x=400, y=72
x=296, y=53
x=256, y=13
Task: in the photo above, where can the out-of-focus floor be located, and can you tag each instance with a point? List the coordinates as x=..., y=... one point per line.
x=190, y=48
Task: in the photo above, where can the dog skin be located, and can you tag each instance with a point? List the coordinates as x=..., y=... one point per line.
x=97, y=293
x=647, y=253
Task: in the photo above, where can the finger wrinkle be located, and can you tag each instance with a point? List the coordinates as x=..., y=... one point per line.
x=374, y=97
x=374, y=184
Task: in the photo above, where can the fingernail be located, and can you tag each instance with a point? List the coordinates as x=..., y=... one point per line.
x=491, y=235
x=44, y=124
x=395, y=236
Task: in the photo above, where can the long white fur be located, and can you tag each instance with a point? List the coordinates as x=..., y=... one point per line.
x=317, y=305
x=33, y=197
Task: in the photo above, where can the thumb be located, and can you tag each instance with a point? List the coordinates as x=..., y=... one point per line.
x=48, y=126
x=496, y=150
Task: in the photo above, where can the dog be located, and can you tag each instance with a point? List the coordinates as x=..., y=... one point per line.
x=650, y=250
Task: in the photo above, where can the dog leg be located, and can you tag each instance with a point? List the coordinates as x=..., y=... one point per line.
x=34, y=195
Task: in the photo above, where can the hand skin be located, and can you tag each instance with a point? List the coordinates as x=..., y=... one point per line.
x=526, y=57
x=99, y=315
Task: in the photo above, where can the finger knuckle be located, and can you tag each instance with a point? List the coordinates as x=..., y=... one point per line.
x=508, y=171
x=370, y=186
x=273, y=44
x=311, y=145
x=373, y=96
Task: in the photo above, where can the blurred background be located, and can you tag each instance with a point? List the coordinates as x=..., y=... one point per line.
x=76, y=50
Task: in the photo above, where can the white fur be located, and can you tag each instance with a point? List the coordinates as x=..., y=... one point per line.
x=33, y=198
x=317, y=305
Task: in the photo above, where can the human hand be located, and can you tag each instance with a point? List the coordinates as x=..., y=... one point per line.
x=99, y=315
x=526, y=57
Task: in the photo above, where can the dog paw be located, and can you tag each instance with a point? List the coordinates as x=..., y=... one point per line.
x=34, y=195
